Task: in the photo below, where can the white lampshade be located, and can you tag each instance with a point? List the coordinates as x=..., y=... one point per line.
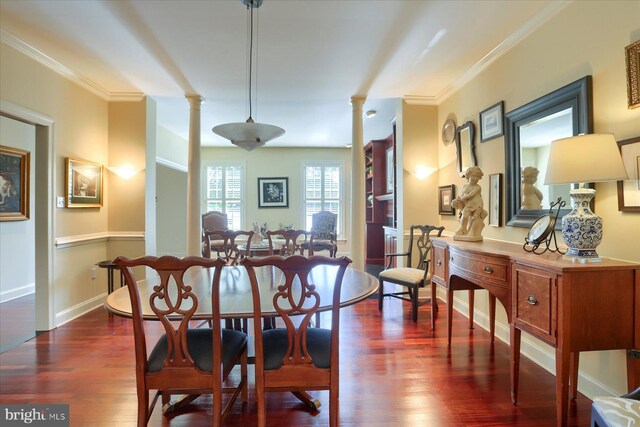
x=585, y=158
x=248, y=135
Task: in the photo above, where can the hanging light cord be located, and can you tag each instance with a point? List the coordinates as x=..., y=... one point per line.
x=250, y=5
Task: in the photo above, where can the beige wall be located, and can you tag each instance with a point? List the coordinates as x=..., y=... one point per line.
x=585, y=38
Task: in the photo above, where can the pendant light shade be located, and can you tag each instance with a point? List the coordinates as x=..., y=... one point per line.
x=249, y=135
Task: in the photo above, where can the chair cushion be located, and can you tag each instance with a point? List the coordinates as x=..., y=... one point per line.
x=403, y=274
x=275, y=342
x=200, y=345
x=319, y=245
x=617, y=411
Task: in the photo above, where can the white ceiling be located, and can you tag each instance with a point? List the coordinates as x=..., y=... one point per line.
x=313, y=56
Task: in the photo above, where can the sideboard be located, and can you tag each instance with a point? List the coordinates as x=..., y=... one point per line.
x=573, y=307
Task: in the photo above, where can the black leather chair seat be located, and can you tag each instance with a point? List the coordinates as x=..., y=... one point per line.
x=200, y=345
x=275, y=343
x=318, y=245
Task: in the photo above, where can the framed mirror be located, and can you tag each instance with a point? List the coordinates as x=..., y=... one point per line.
x=530, y=130
x=465, y=146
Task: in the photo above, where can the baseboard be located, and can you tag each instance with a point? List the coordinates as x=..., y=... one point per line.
x=78, y=310
x=541, y=354
x=14, y=293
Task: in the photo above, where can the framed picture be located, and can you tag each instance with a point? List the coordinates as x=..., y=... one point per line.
x=446, y=194
x=83, y=184
x=273, y=192
x=14, y=184
x=495, y=200
x=633, y=74
x=629, y=190
x=491, y=123
x=390, y=170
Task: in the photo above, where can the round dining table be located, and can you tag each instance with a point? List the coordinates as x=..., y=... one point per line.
x=235, y=291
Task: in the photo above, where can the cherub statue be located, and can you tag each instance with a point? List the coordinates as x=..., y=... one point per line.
x=472, y=212
x=531, y=196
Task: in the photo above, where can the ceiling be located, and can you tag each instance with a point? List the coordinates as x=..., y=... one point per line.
x=313, y=55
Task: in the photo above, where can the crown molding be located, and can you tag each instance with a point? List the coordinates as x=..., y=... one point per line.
x=170, y=164
x=420, y=100
x=516, y=37
x=20, y=45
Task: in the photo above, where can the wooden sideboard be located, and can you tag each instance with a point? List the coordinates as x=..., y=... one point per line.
x=572, y=307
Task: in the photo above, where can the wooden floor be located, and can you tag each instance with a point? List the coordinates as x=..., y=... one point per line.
x=393, y=373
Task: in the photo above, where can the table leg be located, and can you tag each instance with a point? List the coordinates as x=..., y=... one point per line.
x=306, y=398
x=471, y=305
x=562, y=385
x=449, y=314
x=573, y=375
x=109, y=280
x=515, y=361
x=434, y=306
x=492, y=316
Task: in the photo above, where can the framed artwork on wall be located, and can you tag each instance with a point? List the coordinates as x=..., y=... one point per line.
x=491, y=122
x=14, y=184
x=390, y=170
x=273, y=192
x=629, y=190
x=495, y=200
x=84, y=183
x=446, y=194
x=633, y=74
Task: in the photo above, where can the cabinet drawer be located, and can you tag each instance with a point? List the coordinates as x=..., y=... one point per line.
x=438, y=265
x=534, y=302
x=479, y=267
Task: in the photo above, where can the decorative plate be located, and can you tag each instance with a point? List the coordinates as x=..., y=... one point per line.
x=541, y=229
x=448, y=132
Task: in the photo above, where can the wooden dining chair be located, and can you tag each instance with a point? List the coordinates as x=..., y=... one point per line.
x=291, y=239
x=213, y=220
x=412, y=278
x=183, y=360
x=296, y=357
x=323, y=234
x=226, y=246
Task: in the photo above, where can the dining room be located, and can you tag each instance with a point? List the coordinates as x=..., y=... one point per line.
x=108, y=151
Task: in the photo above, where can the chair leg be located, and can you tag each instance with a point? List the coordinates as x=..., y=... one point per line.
x=243, y=377
x=380, y=294
x=217, y=410
x=414, y=303
x=334, y=409
x=262, y=410
x=143, y=407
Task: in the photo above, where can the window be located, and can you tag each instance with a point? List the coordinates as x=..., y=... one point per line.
x=224, y=191
x=323, y=191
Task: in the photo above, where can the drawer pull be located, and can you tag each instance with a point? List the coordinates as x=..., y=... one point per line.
x=438, y=262
x=488, y=269
x=532, y=300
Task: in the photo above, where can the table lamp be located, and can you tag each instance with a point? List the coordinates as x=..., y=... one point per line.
x=580, y=159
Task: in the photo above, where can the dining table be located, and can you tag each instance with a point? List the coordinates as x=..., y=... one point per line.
x=236, y=298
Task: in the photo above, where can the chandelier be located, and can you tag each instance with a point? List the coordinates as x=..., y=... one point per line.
x=249, y=134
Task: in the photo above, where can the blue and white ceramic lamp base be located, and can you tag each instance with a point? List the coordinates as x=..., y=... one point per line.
x=581, y=228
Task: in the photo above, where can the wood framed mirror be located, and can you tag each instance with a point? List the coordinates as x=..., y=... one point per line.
x=529, y=131
x=465, y=147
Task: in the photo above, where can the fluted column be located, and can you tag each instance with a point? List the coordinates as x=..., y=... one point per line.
x=357, y=185
x=193, y=178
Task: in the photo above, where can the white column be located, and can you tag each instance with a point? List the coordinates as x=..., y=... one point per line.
x=357, y=185
x=193, y=178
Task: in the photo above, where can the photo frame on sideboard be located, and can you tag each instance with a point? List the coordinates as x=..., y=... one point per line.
x=629, y=190
x=14, y=182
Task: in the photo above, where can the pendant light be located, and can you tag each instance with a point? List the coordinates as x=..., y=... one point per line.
x=249, y=135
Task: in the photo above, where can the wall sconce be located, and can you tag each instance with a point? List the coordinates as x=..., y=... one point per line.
x=422, y=172
x=125, y=171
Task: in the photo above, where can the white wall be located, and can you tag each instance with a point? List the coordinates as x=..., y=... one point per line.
x=17, y=238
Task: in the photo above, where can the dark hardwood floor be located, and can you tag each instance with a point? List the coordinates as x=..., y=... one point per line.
x=393, y=372
x=17, y=321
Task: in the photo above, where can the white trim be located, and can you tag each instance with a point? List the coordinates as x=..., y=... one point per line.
x=66, y=316
x=84, y=239
x=243, y=177
x=22, y=46
x=172, y=165
x=541, y=354
x=11, y=294
x=420, y=100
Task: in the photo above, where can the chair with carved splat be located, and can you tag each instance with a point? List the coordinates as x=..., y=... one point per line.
x=183, y=360
x=296, y=357
x=292, y=240
x=226, y=247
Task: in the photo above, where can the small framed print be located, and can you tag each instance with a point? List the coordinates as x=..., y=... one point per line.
x=273, y=192
x=629, y=190
x=14, y=184
x=84, y=183
x=495, y=200
x=390, y=170
x=491, y=122
x=446, y=194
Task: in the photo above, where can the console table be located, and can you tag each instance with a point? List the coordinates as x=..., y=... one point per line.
x=572, y=307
